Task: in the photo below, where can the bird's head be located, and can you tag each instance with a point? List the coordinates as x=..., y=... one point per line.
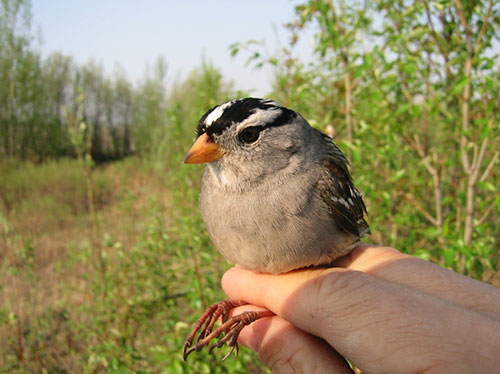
x=249, y=138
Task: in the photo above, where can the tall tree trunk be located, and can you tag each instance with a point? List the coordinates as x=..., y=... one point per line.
x=348, y=108
x=11, y=141
x=468, y=167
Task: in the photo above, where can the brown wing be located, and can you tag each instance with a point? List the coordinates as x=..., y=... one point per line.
x=339, y=193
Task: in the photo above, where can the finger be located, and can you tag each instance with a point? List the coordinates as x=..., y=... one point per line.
x=286, y=349
x=394, y=266
x=378, y=325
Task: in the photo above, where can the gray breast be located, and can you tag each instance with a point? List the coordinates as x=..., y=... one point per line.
x=272, y=228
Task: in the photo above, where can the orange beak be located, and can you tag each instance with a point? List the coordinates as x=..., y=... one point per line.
x=203, y=150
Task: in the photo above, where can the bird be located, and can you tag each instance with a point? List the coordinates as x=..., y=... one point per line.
x=276, y=195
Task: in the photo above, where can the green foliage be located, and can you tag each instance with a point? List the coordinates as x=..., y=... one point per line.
x=149, y=116
x=35, y=91
x=28, y=189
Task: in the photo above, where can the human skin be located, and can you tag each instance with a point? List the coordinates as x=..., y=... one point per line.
x=384, y=311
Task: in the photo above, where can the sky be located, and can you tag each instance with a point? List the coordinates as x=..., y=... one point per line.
x=134, y=33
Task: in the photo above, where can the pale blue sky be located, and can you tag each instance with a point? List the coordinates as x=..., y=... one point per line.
x=134, y=33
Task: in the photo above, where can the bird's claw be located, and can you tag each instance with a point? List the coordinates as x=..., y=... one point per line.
x=230, y=327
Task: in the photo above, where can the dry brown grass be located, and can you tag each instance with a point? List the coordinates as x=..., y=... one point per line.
x=45, y=238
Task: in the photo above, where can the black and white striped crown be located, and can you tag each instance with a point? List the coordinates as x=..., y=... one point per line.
x=264, y=112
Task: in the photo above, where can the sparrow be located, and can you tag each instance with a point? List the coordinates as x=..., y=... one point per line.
x=276, y=196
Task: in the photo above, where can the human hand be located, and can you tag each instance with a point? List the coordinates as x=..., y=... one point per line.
x=384, y=311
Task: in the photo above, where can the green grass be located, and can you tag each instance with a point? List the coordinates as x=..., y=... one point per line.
x=63, y=311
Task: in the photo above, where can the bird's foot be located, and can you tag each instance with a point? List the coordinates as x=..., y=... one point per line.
x=231, y=327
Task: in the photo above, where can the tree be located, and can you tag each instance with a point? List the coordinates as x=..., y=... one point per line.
x=18, y=69
x=150, y=108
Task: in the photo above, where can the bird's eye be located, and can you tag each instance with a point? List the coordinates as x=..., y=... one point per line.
x=250, y=134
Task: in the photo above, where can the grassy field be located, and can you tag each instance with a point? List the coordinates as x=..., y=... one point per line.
x=116, y=297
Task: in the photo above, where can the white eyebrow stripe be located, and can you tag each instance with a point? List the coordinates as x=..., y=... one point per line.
x=216, y=113
x=260, y=117
x=270, y=101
